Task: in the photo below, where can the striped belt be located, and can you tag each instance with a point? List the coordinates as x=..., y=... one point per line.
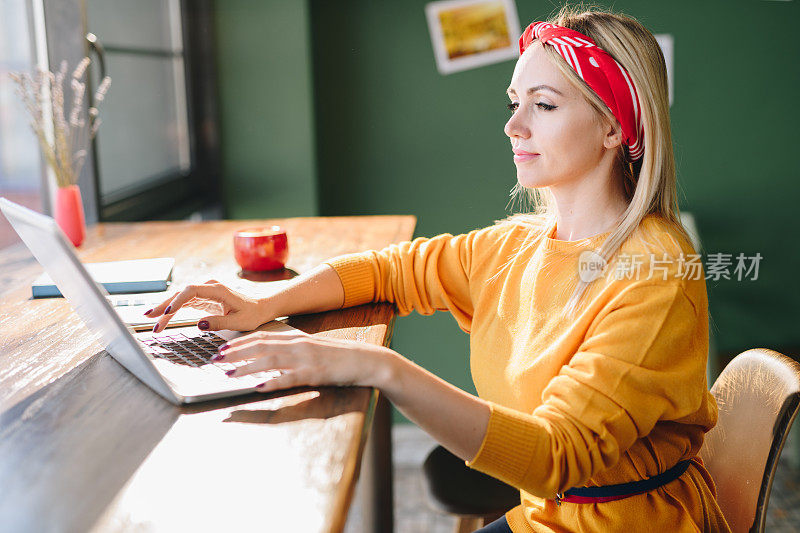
x=609, y=493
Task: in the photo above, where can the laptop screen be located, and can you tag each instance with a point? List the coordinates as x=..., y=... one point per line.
x=87, y=297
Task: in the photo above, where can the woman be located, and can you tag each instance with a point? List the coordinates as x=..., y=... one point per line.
x=588, y=338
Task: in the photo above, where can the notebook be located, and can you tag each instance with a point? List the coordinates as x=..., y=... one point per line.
x=131, y=308
x=130, y=276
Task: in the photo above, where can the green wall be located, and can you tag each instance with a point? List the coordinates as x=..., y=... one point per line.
x=266, y=120
x=393, y=136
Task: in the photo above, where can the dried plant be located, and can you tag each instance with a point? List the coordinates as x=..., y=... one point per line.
x=65, y=147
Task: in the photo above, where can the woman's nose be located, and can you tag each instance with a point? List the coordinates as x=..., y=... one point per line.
x=515, y=128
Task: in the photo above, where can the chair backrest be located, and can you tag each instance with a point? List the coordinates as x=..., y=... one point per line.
x=758, y=394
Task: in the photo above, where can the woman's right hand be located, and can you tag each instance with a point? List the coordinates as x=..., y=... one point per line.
x=227, y=308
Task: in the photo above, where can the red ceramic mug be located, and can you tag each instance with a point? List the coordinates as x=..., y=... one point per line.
x=258, y=249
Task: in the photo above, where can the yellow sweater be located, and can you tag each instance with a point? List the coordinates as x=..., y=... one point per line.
x=616, y=394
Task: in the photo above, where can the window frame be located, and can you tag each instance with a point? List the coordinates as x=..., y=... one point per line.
x=176, y=195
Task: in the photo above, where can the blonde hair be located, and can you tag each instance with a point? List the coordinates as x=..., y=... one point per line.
x=649, y=183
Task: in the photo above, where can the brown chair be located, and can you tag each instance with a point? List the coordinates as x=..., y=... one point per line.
x=475, y=498
x=758, y=394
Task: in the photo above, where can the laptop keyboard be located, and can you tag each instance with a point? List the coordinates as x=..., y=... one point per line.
x=193, y=349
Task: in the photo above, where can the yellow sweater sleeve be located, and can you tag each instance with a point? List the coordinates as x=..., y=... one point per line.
x=642, y=360
x=425, y=274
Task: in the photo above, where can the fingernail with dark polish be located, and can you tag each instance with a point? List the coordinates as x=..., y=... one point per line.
x=230, y=372
x=148, y=312
x=166, y=311
x=224, y=347
x=261, y=385
x=203, y=324
x=155, y=328
x=218, y=357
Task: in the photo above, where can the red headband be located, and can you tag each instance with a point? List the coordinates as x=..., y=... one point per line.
x=596, y=67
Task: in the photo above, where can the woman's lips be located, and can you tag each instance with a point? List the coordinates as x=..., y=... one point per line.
x=522, y=157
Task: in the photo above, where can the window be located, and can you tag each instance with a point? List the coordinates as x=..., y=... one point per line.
x=151, y=159
x=20, y=163
x=156, y=154
x=145, y=131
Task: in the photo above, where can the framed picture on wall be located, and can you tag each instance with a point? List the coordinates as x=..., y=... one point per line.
x=470, y=33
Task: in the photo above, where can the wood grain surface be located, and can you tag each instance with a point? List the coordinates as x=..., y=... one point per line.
x=85, y=446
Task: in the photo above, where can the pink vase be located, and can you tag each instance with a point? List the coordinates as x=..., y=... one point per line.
x=69, y=213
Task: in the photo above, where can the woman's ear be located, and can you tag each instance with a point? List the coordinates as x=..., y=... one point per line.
x=613, y=137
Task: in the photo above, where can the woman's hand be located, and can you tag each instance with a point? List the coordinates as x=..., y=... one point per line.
x=455, y=418
x=305, y=360
x=227, y=308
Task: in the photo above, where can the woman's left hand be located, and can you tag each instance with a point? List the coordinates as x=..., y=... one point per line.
x=452, y=416
x=306, y=360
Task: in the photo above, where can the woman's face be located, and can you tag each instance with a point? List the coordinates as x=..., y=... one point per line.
x=555, y=122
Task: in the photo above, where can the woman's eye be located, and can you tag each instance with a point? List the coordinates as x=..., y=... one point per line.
x=546, y=107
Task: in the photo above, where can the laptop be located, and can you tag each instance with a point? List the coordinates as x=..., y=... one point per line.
x=176, y=363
